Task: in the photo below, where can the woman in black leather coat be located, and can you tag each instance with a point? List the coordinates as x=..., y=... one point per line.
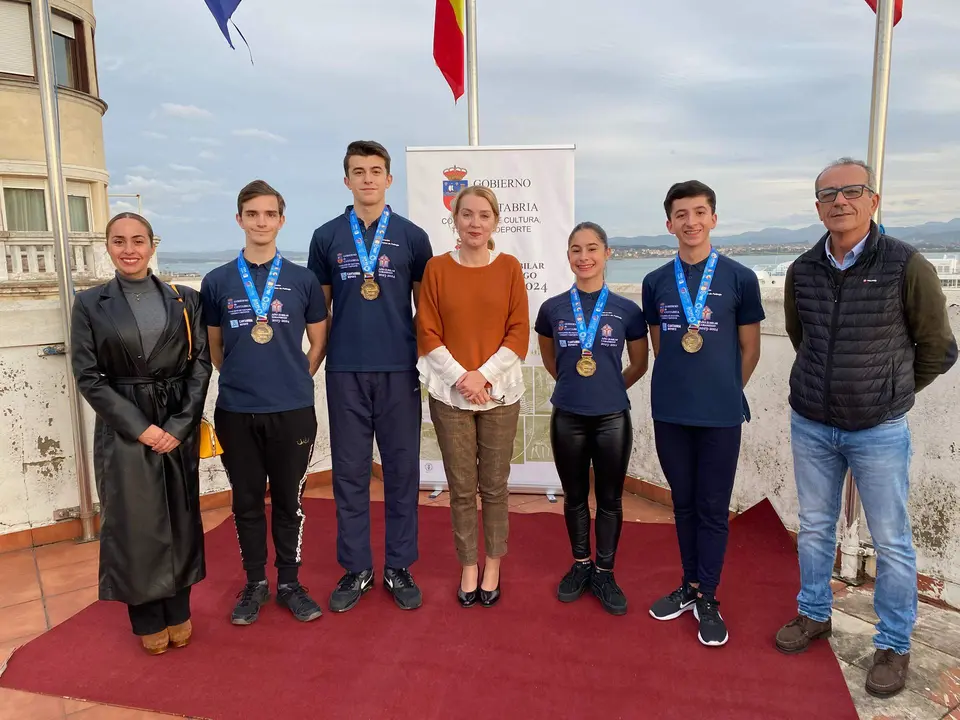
x=145, y=372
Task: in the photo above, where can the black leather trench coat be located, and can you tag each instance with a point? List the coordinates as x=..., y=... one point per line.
x=151, y=533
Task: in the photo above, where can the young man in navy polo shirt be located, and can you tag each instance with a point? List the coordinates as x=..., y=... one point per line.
x=370, y=262
x=704, y=313
x=257, y=309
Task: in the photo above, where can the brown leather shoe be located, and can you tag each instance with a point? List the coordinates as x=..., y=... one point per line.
x=796, y=635
x=888, y=674
x=156, y=643
x=180, y=634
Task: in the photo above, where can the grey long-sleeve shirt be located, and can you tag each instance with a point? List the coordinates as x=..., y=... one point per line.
x=148, y=308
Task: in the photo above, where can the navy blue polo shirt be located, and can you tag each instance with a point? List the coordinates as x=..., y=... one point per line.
x=273, y=377
x=605, y=391
x=704, y=388
x=371, y=335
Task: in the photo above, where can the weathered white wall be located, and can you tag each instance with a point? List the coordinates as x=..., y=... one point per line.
x=766, y=464
x=37, y=473
x=36, y=448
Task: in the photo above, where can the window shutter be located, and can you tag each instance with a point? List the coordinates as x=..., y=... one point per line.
x=16, y=44
x=63, y=26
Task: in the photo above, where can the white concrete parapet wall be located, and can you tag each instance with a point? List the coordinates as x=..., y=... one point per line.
x=36, y=448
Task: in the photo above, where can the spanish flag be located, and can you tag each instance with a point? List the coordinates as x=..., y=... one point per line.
x=897, y=11
x=448, y=43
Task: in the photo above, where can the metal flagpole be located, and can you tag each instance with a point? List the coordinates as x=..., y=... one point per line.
x=473, y=107
x=883, y=51
x=43, y=42
x=850, y=550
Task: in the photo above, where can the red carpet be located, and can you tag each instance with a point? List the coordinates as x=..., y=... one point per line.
x=530, y=656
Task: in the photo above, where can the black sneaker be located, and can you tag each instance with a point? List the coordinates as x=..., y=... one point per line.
x=349, y=589
x=405, y=592
x=252, y=597
x=294, y=597
x=575, y=582
x=675, y=604
x=713, y=631
x=608, y=592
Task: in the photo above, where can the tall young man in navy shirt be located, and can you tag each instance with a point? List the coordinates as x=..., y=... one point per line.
x=370, y=262
x=704, y=313
x=257, y=309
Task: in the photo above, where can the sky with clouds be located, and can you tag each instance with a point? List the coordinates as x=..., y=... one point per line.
x=751, y=97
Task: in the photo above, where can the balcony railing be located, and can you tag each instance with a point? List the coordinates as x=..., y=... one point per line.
x=26, y=257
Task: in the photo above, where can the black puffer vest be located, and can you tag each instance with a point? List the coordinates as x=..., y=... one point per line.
x=854, y=367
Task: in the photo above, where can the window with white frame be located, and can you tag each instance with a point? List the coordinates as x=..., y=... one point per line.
x=16, y=39
x=78, y=207
x=24, y=205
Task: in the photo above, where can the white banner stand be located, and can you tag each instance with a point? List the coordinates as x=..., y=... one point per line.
x=535, y=187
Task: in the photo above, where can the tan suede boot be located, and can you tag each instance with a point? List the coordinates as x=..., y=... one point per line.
x=180, y=634
x=156, y=643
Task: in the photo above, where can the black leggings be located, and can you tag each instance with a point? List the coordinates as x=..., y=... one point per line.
x=606, y=440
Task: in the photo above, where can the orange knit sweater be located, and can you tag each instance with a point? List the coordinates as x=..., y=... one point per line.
x=473, y=310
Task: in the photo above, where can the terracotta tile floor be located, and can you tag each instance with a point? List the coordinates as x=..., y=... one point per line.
x=41, y=587
x=46, y=585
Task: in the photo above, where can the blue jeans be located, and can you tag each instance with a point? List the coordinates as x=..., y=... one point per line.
x=880, y=460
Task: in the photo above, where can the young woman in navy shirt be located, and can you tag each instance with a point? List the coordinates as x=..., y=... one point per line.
x=582, y=336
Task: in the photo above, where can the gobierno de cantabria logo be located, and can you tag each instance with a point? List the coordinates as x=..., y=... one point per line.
x=455, y=182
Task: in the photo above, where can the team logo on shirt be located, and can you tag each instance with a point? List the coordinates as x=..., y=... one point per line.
x=560, y=325
x=383, y=261
x=339, y=258
x=454, y=183
x=663, y=308
x=707, y=312
x=276, y=306
x=229, y=303
x=606, y=331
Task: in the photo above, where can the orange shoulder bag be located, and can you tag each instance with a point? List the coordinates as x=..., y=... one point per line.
x=209, y=444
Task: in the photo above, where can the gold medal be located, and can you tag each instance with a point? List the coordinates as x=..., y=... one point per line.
x=261, y=333
x=586, y=365
x=369, y=289
x=692, y=340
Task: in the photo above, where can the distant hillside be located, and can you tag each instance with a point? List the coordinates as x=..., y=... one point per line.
x=937, y=234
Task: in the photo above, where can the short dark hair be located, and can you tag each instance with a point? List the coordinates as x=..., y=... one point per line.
x=591, y=226
x=689, y=189
x=131, y=216
x=255, y=189
x=366, y=148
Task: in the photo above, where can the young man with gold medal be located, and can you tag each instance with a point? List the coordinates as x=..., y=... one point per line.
x=704, y=313
x=257, y=309
x=583, y=334
x=370, y=262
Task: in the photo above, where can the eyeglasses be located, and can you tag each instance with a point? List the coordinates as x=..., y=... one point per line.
x=850, y=192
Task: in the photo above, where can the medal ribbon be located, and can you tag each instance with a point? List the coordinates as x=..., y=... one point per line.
x=368, y=262
x=694, y=312
x=588, y=334
x=261, y=306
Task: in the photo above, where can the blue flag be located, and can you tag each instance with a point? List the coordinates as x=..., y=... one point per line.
x=222, y=11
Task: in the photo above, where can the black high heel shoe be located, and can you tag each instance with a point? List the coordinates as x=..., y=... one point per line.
x=468, y=599
x=489, y=598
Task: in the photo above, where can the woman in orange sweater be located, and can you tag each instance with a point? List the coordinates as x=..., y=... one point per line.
x=473, y=331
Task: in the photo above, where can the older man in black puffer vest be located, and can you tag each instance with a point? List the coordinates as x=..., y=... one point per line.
x=868, y=319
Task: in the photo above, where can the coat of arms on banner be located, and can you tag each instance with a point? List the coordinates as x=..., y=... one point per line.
x=453, y=184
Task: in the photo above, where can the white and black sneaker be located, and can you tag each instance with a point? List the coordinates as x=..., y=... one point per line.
x=399, y=583
x=350, y=589
x=713, y=631
x=675, y=604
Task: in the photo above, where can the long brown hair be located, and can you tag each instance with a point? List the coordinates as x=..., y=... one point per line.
x=481, y=192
